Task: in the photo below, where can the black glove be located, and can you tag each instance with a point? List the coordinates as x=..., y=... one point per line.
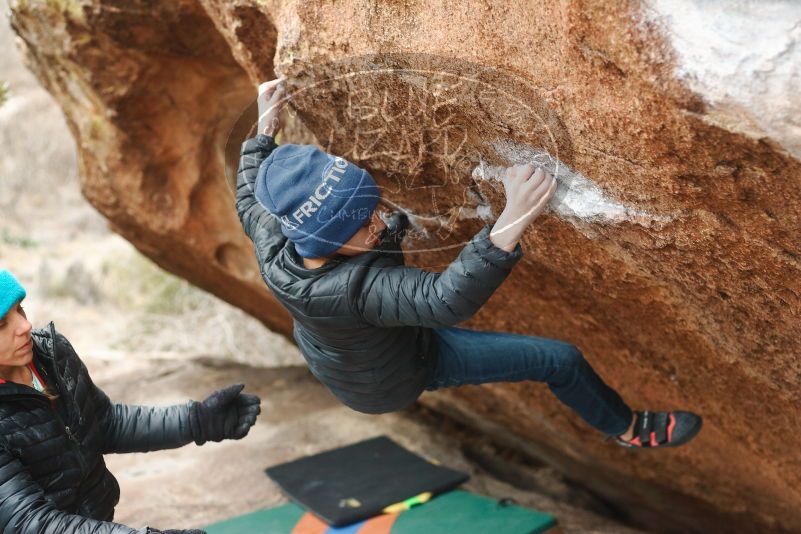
x=225, y=414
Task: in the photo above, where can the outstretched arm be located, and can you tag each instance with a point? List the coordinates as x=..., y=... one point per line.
x=403, y=296
x=24, y=509
x=132, y=428
x=225, y=414
x=128, y=428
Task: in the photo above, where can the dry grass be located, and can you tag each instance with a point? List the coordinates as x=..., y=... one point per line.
x=99, y=290
x=38, y=165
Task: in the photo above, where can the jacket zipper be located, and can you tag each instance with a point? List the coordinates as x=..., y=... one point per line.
x=67, y=430
x=75, y=443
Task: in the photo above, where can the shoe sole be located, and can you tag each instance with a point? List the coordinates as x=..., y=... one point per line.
x=686, y=439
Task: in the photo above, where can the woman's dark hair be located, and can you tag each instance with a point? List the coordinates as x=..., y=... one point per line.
x=48, y=393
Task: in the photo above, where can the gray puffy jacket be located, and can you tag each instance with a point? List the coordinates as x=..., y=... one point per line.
x=363, y=323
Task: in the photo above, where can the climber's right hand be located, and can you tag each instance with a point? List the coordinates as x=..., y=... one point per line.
x=528, y=190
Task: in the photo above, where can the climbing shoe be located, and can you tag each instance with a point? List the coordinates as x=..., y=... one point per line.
x=662, y=429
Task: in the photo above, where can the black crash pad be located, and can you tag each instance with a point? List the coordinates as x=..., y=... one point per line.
x=345, y=485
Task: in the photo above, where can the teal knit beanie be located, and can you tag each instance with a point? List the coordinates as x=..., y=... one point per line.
x=11, y=292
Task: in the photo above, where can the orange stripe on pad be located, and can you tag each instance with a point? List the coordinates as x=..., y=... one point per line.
x=381, y=524
x=310, y=524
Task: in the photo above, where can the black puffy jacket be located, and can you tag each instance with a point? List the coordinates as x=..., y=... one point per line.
x=363, y=323
x=53, y=479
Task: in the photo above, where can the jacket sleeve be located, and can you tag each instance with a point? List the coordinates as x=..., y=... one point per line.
x=409, y=296
x=24, y=509
x=132, y=428
x=259, y=224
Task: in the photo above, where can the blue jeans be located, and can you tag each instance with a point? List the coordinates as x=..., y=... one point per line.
x=475, y=357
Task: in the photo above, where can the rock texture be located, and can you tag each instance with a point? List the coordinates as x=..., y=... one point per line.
x=671, y=257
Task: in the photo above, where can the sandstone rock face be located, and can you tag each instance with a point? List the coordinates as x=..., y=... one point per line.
x=670, y=256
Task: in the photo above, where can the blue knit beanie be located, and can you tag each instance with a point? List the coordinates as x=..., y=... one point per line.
x=320, y=200
x=11, y=292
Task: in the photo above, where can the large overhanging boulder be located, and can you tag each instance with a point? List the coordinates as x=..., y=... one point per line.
x=671, y=256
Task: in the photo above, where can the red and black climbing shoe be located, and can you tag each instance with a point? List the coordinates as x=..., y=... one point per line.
x=662, y=429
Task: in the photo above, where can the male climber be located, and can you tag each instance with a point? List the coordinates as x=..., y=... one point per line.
x=378, y=333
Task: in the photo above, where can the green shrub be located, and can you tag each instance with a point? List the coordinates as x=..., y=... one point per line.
x=3, y=92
